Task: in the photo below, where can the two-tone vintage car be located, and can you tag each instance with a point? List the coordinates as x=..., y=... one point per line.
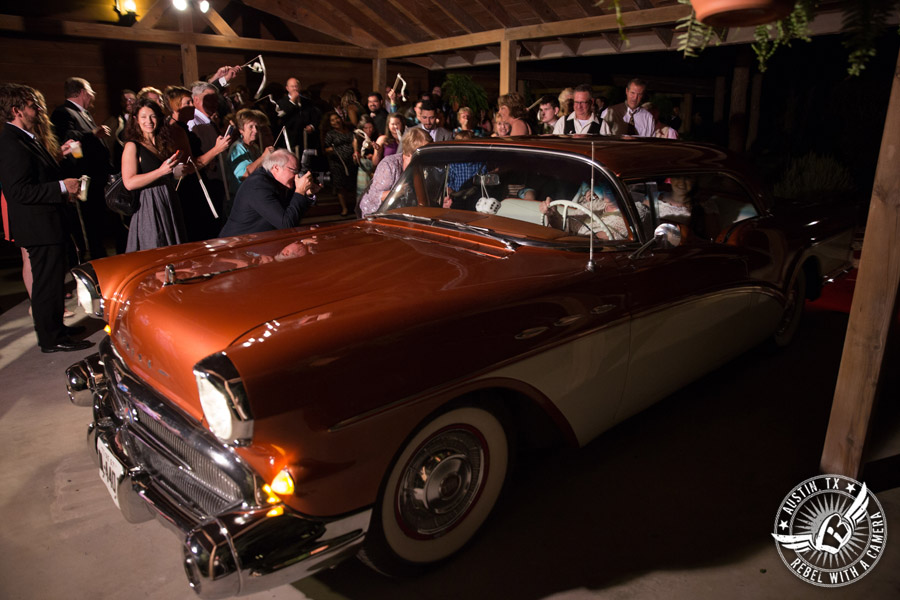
x=285, y=400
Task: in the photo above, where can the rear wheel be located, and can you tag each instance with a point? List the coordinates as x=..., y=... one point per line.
x=439, y=490
x=793, y=311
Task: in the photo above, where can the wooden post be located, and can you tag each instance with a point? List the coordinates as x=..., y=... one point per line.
x=189, y=68
x=755, y=99
x=874, y=302
x=509, y=51
x=687, y=113
x=719, y=100
x=379, y=75
x=737, y=119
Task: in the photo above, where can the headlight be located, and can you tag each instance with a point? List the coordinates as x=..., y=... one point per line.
x=224, y=400
x=88, y=290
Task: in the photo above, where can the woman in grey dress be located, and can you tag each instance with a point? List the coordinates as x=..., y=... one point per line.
x=148, y=160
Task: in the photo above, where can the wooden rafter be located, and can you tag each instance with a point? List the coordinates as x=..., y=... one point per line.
x=153, y=15
x=382, y=20
x=664, y=34
x=571, y=45
x=300, y=13
x=499, y=14
x=613, y=40
x=155, y=36
x=218, y=24
x=459, y=15
x=424, y=18
x=544, y=10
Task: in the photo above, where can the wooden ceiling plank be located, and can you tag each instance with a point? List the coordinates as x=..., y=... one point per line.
x=666, y=15
x=439, y=59
x=176, y=38
x=590, y=7
x=457, y=14
x=534, y=48
x=153, y=15
x=309, y=18
x=218, y=24
x=468, y=56
x=497, y=12
x=386, y=23
x=543, y=10
x=644, y=4
x=423, y=18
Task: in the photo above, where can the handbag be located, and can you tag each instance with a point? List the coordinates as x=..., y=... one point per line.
x=119, y=199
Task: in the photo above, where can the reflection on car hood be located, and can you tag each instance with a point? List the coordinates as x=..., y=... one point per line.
x=176, y=306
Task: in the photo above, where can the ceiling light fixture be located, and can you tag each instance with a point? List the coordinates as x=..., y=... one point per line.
x=180, y=4
x=204, y=6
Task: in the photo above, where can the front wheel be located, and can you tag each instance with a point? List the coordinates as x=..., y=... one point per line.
x=439, y=490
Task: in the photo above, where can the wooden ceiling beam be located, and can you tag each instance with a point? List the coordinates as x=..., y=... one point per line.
x=468, y=56
x=667, y=15
x=422, y=61
x=176, y=38
x=533, y=47
x=499, y=14
x=590, y=7
x=218, y=24
x=386, y=23
x=543, y=10
x=424, y=18
x=459, y=15
x=302, y=15
x=153, y=15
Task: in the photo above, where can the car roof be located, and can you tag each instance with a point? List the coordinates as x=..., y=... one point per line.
x=631, y=157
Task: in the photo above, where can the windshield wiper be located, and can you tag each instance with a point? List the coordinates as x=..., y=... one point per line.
x=510, y=245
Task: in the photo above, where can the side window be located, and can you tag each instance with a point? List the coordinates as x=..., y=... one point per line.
x=705, y=205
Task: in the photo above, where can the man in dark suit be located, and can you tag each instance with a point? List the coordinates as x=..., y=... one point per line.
x=429, y=123
x=379, y=115
x=274, y=196
x=299, y=115
x=36, y=194
x=73, y=121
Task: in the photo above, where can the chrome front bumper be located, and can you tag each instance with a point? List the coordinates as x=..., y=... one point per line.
x=230, y=551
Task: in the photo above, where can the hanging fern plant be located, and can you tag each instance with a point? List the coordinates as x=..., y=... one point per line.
x=694, y=36
x=795, y=26
x=864, y=22
x=461, y=90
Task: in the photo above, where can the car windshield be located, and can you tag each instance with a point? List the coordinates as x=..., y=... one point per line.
x=514, y=184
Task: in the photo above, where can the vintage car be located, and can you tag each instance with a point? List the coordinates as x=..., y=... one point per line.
x=285, y=400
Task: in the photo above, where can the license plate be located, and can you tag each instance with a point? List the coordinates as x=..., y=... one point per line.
x=111, y=470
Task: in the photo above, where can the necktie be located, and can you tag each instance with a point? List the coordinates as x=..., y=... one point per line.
x=629, y=114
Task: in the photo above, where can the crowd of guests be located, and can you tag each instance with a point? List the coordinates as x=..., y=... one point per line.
x=202, y=160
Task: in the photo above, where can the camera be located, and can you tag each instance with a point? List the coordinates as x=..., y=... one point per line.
x=308, y=163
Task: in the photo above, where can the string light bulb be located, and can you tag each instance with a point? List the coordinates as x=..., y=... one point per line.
x=180, y=4
x=204, y=6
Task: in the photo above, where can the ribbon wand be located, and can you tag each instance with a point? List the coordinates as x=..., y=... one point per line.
x=257, y=65
x=397, y=82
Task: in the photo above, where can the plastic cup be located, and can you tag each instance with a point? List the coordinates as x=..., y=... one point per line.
x=75, y=147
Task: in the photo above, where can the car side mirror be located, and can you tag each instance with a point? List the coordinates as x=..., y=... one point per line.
x=666, y=235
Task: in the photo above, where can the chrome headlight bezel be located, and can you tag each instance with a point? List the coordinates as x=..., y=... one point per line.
x=87, y=290
x=224, y=400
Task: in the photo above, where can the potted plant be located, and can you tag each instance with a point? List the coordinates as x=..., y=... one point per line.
x=461, y=90
x=738, y=13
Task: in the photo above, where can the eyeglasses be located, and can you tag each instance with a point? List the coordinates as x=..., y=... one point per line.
x=291, y=169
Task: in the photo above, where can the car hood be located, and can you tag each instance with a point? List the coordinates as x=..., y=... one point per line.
x=170, y=308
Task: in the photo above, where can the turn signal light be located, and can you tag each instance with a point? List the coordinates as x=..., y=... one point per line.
x=283, y=484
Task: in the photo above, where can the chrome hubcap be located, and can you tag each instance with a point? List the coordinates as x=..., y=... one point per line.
x=441, y=482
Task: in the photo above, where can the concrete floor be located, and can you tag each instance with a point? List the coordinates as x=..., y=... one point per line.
x=678, y=502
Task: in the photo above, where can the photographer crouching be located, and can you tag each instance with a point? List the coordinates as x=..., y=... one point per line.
x=275, y=196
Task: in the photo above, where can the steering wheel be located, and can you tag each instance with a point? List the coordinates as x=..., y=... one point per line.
x=569, y=204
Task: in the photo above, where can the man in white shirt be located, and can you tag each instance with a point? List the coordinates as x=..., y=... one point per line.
x=629, y=118
x=582, y=119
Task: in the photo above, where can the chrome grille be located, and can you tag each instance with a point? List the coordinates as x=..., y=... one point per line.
x=180, y=456
x=197, y=469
